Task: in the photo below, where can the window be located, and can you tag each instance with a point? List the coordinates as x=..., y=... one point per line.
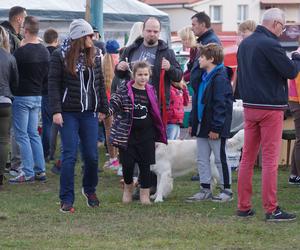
x=216, y=13
x=242, y=13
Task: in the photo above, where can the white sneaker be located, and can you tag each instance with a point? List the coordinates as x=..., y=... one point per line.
x=223, y=196
x=15, y=171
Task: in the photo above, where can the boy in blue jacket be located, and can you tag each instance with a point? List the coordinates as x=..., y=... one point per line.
x=210, y=122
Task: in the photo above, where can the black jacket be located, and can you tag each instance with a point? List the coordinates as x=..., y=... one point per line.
x=208, y=37
x=9, y=77
x=14, y=38
x=263, y=69
x=217, y=113
x=65, y=90
x=173, y=74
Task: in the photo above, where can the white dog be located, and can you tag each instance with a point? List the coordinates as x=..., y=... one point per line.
x=179, y=158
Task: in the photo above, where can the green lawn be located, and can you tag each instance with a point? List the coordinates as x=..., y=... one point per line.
x=29, y=219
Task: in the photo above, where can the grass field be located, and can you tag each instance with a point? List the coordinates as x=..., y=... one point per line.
x=29, y=219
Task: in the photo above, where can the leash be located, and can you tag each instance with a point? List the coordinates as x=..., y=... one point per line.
x=162, y=96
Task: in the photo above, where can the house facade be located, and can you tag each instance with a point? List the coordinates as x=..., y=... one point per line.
x=225, y=14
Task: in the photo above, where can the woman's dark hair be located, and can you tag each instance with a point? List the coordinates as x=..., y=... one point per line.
x=78, y=46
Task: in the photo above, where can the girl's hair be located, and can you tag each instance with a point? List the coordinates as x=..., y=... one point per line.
x=4, y=42
x=108, y=67
x=77, y=46
x=247, y=25
x=136, y=31
x=186, y=33
x=141, y=65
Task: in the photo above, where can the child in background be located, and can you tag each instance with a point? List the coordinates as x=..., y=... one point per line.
x=294, y=105
x=49, y=131
x=136, y=128
x=108, y=66
x=211, y=120
x=245, y=29
x=179, y=98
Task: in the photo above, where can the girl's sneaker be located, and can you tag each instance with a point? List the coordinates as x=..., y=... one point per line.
x=112, y=164
x=120, y=171
x=66, y=208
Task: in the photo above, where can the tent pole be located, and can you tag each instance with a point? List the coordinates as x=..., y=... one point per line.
x=87, y=16
x=97, y=15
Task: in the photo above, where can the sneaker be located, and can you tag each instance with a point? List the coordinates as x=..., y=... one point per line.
x=66, y=208
x=223, y=196
x=246, y=214
x=21, y=178
x=15, y=172
x=56, y=168
x=204, y=195
x=113, y=165
x=120, y=171
x=195, y=177
x=40, y=176
x=280, y=215
x=294, y=180
x=91, y=199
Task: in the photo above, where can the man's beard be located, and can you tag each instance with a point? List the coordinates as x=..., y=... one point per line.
x=151, y=42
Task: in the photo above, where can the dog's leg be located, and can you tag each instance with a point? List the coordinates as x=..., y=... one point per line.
x=164, y=186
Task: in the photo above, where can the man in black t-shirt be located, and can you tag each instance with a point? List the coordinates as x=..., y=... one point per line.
x=32, y=60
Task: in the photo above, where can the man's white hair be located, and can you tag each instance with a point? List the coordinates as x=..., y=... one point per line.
x=273, y=14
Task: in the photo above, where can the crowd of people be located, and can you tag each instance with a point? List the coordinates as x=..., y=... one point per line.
x=138, y=93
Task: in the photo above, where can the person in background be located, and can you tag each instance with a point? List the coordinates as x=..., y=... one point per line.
x=179, y=98
x=188, y=40
x=245, y=29
x=33, y=62
x=13, y=27
x=136, y=32
x=136, y=128
x=108, y=67
x=201, y=26
x=294, y=105
x=76, y=94
x=96, y=40
x=8, y=85
x=263, y=70
x=52, y=42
